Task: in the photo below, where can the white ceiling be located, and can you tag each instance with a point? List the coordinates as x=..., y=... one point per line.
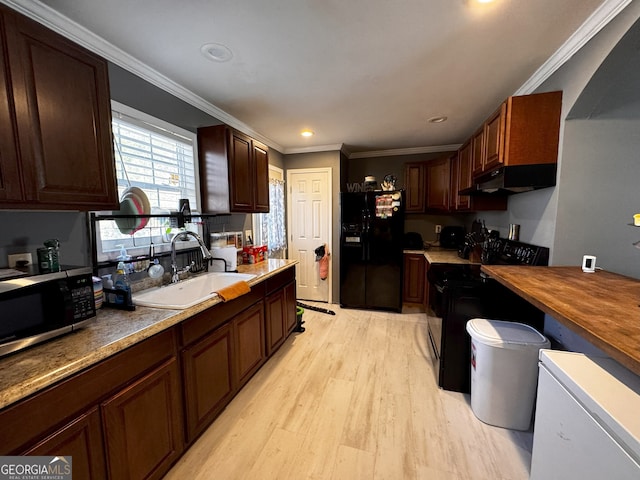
x=363, y=73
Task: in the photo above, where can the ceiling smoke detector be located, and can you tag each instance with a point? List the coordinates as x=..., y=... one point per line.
x=438, y=119
x=216, y=52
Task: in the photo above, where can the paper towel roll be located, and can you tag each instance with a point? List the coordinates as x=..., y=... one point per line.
x=230, y=254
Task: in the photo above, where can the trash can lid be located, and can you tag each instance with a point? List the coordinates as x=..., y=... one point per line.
x=499, y=333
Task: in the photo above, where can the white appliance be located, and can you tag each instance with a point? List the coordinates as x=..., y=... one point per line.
x=587, y=423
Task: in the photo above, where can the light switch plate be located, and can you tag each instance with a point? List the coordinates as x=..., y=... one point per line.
x=16, y=257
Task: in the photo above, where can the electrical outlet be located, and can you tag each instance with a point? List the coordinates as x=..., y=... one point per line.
x=16, y=257
x=438, y=228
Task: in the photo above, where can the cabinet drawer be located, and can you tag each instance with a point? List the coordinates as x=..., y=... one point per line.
x=207, y=321
x=280, y=280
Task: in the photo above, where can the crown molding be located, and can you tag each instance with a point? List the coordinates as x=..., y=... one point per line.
x=406, y=151
x=319, y=148
x=596, y=22
x=66, y=27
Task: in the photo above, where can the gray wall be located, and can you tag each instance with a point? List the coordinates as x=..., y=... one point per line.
x=25, y=232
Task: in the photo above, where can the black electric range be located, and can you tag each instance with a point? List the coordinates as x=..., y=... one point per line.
x=461, y=293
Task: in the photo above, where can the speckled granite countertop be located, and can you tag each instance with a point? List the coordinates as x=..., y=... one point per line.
x=440, y=255
x=31, y=370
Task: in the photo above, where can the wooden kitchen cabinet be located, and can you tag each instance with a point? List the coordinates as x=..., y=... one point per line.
x=84, y=415
x=234, y=171
x=290, y=301
x=249, y=339
x=415, y=187
x=279, y=309
x=414, y=278
x=494, y=131
x=207, y=378
x=461, y=178
x=82, y=440
x=10, y=184
x=124, y=417
x=59, y=96
x=143, y=427
x=524, y=130
x=477, y=152
x=438, y=175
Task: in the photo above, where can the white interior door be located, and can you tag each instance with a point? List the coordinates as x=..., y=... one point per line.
x=309, y=224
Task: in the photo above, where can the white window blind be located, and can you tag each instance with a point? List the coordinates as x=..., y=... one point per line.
x=157, y=157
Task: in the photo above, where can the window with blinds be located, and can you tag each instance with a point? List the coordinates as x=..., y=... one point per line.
x=157, y=157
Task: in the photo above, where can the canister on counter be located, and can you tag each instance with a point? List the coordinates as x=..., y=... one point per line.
x=48, y=260
x=514, y=231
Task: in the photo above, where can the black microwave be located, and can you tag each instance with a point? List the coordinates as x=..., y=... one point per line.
x=35, y=308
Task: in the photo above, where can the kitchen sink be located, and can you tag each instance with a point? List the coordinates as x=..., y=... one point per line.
x=188, y=293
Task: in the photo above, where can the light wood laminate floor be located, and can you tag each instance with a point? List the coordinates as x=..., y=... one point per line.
x=353, y=397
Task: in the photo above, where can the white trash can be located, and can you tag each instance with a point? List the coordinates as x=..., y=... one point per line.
x=504, y=371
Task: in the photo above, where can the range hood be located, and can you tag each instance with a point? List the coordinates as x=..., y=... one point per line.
x=513, y=179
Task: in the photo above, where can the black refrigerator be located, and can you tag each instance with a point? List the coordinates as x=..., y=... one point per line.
x=371, y=258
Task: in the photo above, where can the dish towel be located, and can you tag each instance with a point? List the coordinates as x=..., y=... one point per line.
x=233, y=291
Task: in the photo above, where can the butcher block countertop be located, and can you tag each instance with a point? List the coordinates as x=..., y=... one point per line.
x=602, y=307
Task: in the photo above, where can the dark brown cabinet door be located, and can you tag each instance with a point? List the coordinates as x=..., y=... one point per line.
x=477, y=152
x=63, y=117
x=208, y=378
x=438, y=172
x=261, y=190
x=143, y=426
x=494, y=138
x=275, y=320
x=250, y=338
x=464, y=178
x=414, y=278
x=414, y=182
x=290, y=306
x=80, y=439
x=241, y=172
x=234, y=171
x=10, y=181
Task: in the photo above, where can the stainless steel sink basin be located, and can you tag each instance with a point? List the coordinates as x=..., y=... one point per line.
x=188, y=293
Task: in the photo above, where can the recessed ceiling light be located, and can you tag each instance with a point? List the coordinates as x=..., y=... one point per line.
x=439, y=119
x=484, y=1
x=216, y=52
x=307, y=133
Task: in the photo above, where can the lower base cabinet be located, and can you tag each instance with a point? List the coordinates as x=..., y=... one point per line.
x=132, y=415
x=249, y=343
x=414, y=278
x=207, y=374
x=82, y=440
x=143, y=427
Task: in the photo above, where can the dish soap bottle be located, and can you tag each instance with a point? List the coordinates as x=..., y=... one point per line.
x=122, y=283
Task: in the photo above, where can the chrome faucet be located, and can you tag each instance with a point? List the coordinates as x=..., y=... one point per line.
x=206, y=254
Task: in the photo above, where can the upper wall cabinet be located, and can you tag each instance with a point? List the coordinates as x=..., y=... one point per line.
x=438, y=175
x=55, y=145
x=524, y=130
x=414, y=184
x=234, y=171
